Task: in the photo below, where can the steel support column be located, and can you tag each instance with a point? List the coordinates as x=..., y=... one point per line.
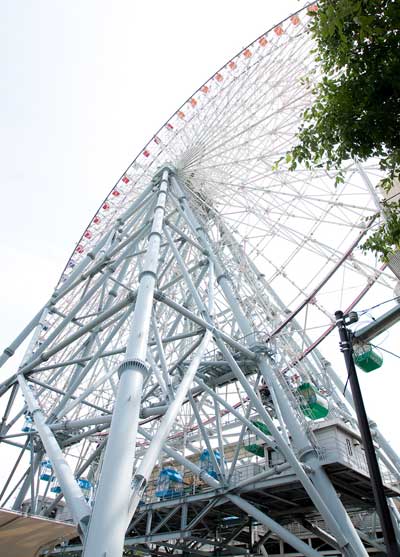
x=110, y=513
x=325, y=496
x=146, y=467
x=73, y=495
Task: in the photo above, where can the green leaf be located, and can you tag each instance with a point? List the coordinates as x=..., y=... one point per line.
x=356, y=108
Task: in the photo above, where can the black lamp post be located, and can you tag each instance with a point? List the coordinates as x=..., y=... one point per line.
x=382, y=508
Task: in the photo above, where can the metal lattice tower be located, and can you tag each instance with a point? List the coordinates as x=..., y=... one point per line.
x=172, y=392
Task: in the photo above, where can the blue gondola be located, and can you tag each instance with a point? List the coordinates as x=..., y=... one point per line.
x=55, y=486
x=86, y=487
x=46, y=471
x=169, y=484
x=207, y=465
x=28, y=425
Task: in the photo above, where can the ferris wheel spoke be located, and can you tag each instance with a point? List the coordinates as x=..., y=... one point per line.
x=253, y=101
x=221, y=110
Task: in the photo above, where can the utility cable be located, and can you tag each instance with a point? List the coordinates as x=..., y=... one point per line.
x=385, y=350
x=362, y=311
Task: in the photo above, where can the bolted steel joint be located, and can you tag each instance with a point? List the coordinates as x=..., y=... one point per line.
x=139, y=483
x=222, y=276
x=148, y=273
x=136, y=365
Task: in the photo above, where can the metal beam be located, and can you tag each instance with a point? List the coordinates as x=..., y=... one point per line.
x=378, y=326
x=146, y=467
x=156, y=538
x=247, y=507
x=73, y=495
x=112, y=498
x=129, y=299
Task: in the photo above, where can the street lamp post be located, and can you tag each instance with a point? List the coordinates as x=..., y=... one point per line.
x=376, y=480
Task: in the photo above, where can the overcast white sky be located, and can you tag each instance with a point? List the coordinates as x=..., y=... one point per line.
x=84, y=85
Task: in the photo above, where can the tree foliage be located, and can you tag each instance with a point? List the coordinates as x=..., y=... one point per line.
x=356, y=111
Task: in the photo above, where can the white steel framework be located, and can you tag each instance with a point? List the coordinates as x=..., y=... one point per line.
x=186, y=323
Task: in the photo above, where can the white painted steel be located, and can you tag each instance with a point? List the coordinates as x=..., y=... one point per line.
x=285, y=247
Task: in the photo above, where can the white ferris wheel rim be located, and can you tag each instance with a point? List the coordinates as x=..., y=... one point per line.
x=220, y=139
x=224, y=142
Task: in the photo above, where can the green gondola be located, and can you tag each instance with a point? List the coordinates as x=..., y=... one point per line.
x=255, y=448
x=366, y=359
x=313, y=404
x=262, y=427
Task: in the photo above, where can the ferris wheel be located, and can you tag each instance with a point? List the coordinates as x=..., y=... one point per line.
x=177, y=371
